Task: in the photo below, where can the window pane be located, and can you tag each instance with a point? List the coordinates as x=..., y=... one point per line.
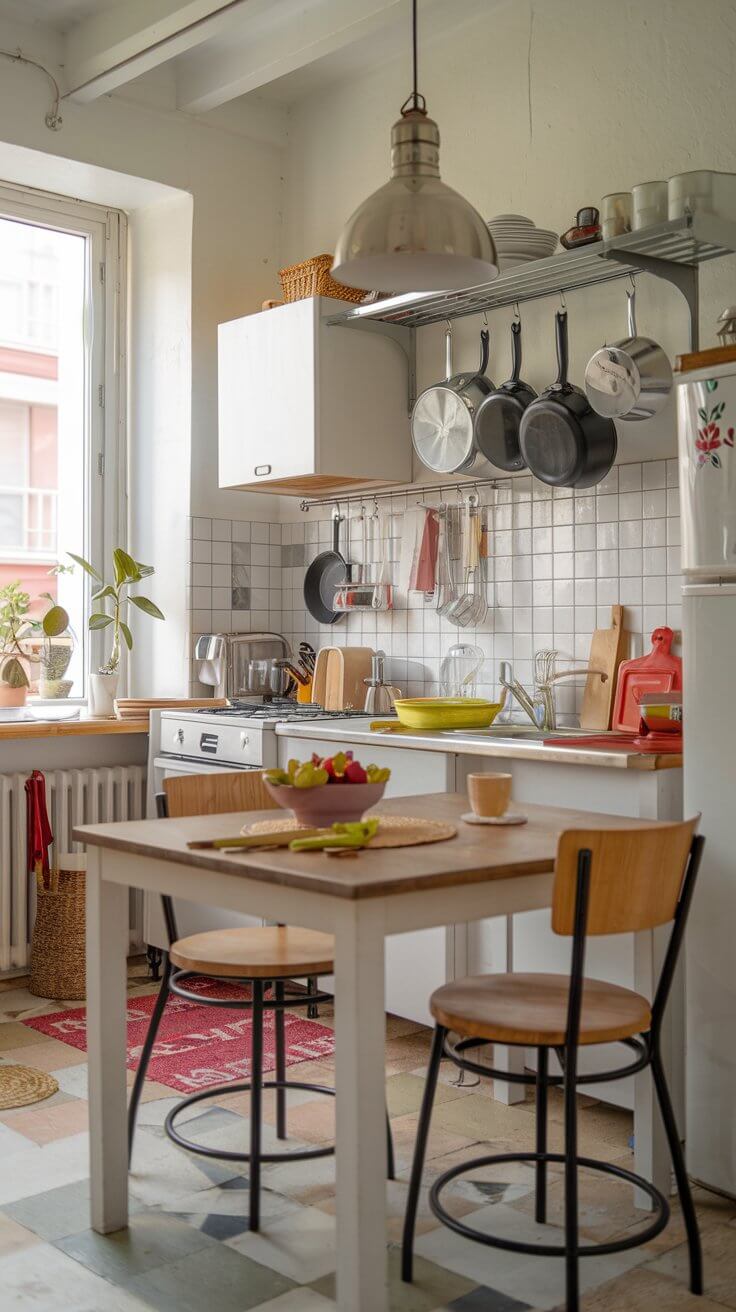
x=43, y=407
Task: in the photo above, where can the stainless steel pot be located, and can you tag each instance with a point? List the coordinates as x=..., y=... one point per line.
x=631, y=379
x=443, y=417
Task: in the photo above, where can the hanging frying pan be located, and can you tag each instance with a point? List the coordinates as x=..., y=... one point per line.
x=563, y=441
x=499, y=415
x=443, y=416
x=327, y=571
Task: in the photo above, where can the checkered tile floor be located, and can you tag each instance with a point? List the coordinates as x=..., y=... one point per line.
x=188, y=1248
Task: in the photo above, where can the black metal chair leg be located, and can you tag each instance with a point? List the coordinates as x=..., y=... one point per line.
x=540, y=1210
x=683, y=1184
x=279, y=1025
x=312, y=1009
x=390, y=1158
x=420, y=1150
x=256, y=1095
x=146, y=1050
x=571, y=1183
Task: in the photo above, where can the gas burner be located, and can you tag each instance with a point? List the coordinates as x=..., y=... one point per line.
x=278, y=709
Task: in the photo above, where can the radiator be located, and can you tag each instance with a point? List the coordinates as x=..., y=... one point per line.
x=73, y=797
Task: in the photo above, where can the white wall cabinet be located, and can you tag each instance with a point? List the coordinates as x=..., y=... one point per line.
x=305, y=407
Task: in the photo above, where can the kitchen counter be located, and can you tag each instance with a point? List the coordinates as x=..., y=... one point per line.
x=86, y=724
x=469, y=743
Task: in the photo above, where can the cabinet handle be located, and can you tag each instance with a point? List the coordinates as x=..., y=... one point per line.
x=260, y=470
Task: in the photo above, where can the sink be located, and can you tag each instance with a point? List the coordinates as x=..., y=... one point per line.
x=524, y=731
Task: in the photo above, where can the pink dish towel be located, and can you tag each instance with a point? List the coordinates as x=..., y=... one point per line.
x=424, y=576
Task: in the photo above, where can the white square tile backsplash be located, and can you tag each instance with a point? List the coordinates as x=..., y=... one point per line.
x=559, y=562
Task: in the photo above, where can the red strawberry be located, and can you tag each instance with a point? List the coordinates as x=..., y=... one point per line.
x=355, y=774
x=329, y=765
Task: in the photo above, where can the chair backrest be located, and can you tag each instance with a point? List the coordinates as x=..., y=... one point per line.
x=215, y=794
x=636, y=875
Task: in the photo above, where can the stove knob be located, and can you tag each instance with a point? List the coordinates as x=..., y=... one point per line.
x=179, y=736
x=244, y=740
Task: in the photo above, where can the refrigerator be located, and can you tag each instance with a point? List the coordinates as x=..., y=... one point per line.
x=707, y=466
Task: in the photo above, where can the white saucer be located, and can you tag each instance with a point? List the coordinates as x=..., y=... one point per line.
x=510, y=818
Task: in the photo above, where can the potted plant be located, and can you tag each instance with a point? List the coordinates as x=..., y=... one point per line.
x=116, y=596
x=16, y=628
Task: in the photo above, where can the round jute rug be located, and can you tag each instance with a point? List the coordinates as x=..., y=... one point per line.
x=22, y=1085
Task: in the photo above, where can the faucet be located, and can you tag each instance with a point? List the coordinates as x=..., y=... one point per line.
x=540, y=708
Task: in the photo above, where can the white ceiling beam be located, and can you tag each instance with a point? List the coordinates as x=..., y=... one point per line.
x=221, y=73
x=114, y=46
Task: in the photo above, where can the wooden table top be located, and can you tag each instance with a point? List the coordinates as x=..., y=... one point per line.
x=478, y=852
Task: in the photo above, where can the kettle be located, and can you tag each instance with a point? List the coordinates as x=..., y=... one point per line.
x=380, y=697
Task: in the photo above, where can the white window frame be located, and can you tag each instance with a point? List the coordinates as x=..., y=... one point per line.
x=105, y=458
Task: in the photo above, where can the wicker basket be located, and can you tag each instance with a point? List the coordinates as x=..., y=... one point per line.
x=58, y=949
x=313, y=278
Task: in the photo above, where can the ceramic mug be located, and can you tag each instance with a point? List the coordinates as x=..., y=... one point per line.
x=616, y=213
x=489, y=794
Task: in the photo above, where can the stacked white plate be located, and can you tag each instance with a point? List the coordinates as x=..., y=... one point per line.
x=518, y=240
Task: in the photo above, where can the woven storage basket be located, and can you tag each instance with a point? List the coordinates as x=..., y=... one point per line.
x=313, y=278
x=58, y=949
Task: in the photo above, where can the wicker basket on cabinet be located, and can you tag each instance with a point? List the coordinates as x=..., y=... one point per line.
x=58, y=950
x=313, y=278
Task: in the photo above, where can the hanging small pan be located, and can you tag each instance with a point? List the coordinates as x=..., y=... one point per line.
x=564, y=442
x=443, y=416
x=631, y=379
x=327, y=571
x=499, y=415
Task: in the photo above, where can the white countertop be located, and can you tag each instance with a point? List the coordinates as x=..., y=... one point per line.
x=467, y=743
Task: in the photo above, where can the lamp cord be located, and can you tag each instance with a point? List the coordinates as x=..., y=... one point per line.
x=415, y=102
x=53, y=119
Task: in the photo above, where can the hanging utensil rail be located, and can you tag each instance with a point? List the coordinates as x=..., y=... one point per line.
x=463, y=487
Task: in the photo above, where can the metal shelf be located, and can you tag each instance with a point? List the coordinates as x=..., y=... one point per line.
x=673, y=251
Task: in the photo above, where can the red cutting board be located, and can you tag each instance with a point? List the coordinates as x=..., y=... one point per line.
x=660, y=672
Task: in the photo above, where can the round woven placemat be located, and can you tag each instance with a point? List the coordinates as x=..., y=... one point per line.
x=393, y=830
x=22, y=1085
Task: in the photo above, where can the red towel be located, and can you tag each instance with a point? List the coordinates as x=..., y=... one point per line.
x=38, y=829
x=425, y=577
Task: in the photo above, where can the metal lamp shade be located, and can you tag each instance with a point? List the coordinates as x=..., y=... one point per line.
x=415, y=233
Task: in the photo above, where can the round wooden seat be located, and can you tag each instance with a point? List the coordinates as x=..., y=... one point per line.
x=257, y=952
x=532, y=1009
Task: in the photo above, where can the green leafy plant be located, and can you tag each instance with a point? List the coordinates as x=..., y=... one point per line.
x=117, y=595
x=17, y=626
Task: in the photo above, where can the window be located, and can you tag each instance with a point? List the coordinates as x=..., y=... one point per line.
x=61, y=400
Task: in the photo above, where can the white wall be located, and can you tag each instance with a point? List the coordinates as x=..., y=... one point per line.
x=544, y=106
x=236, y=186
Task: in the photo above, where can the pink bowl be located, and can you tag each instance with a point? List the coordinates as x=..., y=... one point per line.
x=322, y=806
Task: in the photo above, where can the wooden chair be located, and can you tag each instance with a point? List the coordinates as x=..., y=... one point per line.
x=257, y=957
x=611, y=881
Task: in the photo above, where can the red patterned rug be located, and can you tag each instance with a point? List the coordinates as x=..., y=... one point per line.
x=197, y=1046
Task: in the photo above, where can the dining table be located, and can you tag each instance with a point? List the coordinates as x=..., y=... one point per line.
x=481, y=872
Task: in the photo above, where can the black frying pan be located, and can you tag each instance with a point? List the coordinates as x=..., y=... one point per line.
x=327, y=571
x=499, y=414
x=562, y=439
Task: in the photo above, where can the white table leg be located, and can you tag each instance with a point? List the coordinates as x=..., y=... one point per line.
x=361, y=1108
x=107, y=941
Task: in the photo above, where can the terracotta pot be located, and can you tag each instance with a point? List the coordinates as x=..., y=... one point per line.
x=322, y=806
x=12, y=696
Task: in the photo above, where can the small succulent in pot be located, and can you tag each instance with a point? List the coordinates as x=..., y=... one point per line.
x=17, y=628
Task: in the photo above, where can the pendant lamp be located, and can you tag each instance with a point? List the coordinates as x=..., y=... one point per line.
x=415, y=233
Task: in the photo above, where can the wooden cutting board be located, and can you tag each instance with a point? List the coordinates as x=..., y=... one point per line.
x=608, y=648
x=347, y=667
x=319, y=678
